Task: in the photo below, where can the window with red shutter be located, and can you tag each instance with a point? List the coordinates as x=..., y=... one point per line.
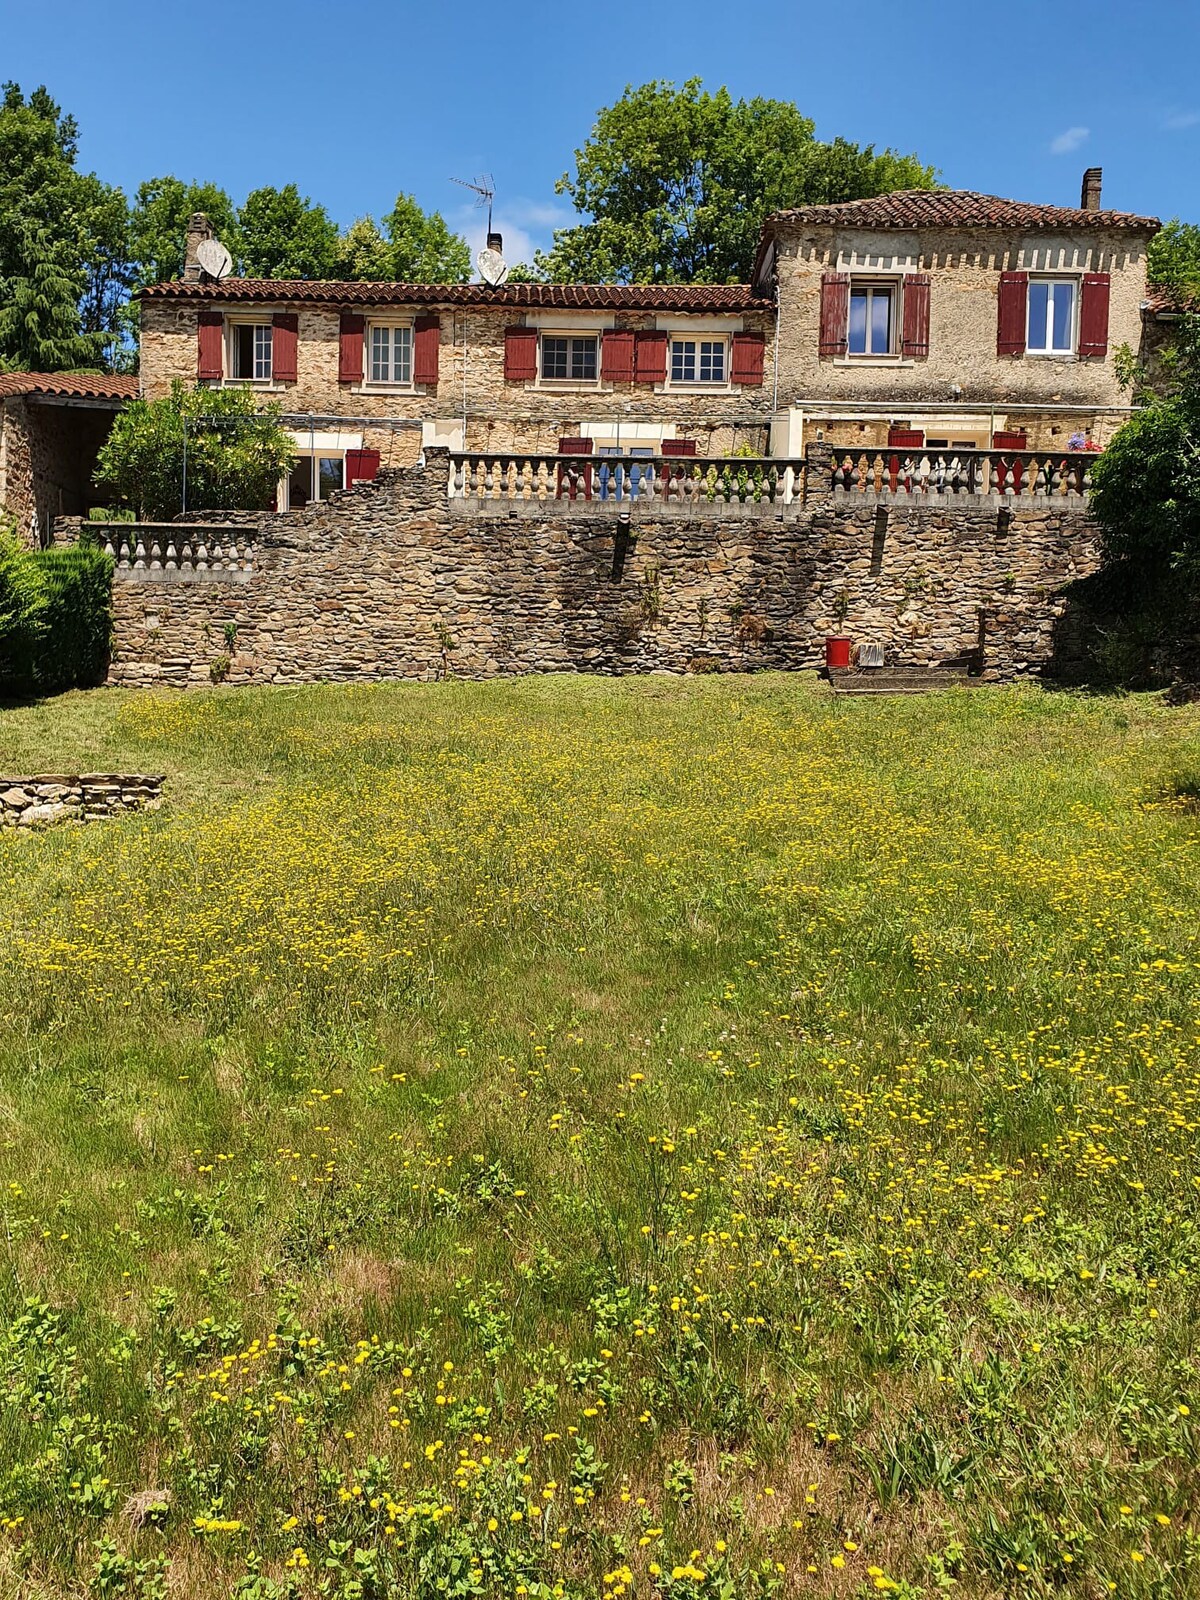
x=427, y=339
x=1093, y=314
x=283, y=346
x=210, y=340
x=650, y=357
x=361, y=466
x=916, y=316
x=520, y=355
x=678, y=447
x=350, y=347
x=1012, y=313
x=835, y=312
x=616, y=355
x=746, y=358
x=906, y=438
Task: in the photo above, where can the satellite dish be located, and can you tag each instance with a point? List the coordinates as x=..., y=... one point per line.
x=492, y=266
x=214, y=258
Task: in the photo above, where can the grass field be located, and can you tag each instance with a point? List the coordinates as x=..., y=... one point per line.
x=589, y=1138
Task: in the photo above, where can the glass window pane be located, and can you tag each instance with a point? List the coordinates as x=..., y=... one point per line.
x=881, y=322
x=300, y=482
x=554, y=358
x=379, y=355
x=1039, y=304
x=262, y=351
x=858, y=322
x=401, y=355
x=330, y=471
x=1064, y=294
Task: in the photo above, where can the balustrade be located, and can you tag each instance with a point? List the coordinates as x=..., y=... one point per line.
x=1009, y=474
x=624, y=479
x=183, y=548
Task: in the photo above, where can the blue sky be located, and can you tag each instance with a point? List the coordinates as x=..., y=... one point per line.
x=354, y=102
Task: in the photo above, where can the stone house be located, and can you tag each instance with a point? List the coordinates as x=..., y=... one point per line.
x=940, y=320
x=52, y=425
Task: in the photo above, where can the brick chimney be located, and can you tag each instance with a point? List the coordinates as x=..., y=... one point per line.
x=1089, y=199
x=495, y=241
x=199, y=228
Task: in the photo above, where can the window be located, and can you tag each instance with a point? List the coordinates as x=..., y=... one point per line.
x=315, y=478
x=1051, y=316
x=697, y=361
x=250, y=352
x=872, y=319
x=391, y=354
x=569, y=358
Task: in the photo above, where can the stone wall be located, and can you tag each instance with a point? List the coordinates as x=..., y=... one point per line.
x=964, y=267
x=392, y=580
x=48, y=453
x=84, y=797
x=500, y=415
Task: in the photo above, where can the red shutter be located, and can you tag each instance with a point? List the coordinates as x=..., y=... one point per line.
x=361, y=466
x=916, y=315
x=906, y=438
x=678, y=447
x=350, y=348
x=427, y=339
x=746, y=358
x=1093, y=315
x=520, y=354
x=1013, y=439
x=1012, y=313
x=650, y=357
x=835, y=313
x=210, y=337
x=616, y=355
x=575, y=446
x=284, y=325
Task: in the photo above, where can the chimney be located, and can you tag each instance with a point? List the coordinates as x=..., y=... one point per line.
x=199, y=228
x=495, y=241
x=1089, y=199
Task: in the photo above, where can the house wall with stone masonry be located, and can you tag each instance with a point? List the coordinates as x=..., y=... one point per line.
x=964, y=267
x=47, y=455
x=391, y=580
x=500, y=415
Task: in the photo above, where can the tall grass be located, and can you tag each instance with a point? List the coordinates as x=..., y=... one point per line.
x=577, y=1137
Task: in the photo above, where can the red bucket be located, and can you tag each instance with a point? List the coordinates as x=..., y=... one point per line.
x=837, y=653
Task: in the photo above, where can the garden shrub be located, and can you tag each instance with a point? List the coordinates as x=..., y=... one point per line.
x=55, y=617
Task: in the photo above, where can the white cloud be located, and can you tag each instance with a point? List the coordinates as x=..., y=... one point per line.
x=1069, y=139
x=527, y=225
x=1177, y=121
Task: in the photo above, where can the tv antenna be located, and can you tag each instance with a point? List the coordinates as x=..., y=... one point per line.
x=485, y=188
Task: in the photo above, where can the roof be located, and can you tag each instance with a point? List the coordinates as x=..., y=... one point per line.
x=1169, y=300
x=70, y=385
x=954, y=208
x=545, y=296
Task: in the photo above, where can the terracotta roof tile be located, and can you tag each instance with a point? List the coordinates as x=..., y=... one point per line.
x=70, y=385
x=1169, y=300
x=954, y=208
x=515, y=296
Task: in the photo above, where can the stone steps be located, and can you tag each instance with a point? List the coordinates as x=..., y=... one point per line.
x=897, y=680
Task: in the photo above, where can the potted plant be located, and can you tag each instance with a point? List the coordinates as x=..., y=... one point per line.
x=837, y=645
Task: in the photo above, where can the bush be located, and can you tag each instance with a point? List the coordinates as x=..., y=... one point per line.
x=55, y=617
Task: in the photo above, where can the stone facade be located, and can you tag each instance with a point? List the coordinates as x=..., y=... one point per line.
x=47, y=456
x=393, y=580
x=81, y=797
x=472, y=396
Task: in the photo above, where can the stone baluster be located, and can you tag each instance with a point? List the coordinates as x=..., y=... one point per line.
x=171, y=563
x=1056, y=476
x=456, y=478
x=488, y=480
x=185, y=555
x=202, y=556
x=155, y=554
x=218, y=557
x=140, y=555
x=108, y=545
x=231, y=556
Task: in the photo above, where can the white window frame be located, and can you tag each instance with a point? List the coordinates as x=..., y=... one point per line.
x=699, y=337
x=393, y=324
x=232, y=325
x=872, y=287
x=568, y=334
x=1054, y=351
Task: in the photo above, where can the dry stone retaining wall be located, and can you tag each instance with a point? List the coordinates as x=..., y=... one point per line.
x=86, y=797
x=390, y=580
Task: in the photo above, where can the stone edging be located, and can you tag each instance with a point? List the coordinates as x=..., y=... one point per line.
x=84, y=797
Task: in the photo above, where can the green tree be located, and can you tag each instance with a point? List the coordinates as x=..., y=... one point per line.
x=63, y=271
x=1173, y=256
x=158, y=225
x=1146, y=485
x=363, y=254
x=676, y=183
x=422, y=249
x=233, y=453
x=284, y=236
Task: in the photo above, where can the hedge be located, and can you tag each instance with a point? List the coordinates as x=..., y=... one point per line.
x=55, y=618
